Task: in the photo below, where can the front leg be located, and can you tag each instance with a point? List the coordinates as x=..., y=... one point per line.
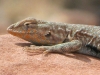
x=72, y=46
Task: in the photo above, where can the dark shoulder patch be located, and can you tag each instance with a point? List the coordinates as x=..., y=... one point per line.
x=93, y=48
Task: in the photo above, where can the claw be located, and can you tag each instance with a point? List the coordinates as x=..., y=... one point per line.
x=32, y=45
x=45, y=53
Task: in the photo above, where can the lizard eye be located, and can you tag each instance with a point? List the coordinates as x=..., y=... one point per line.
x=27, y=23
x=48, y=34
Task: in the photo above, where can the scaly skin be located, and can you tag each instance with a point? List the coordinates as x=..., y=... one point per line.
x=58, y=37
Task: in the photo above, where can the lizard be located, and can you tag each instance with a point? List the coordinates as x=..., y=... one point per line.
x=58, y=37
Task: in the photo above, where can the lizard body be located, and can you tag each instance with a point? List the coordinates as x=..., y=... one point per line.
x=58, y=37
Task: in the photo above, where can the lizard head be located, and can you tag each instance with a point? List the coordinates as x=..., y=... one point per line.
x=36, y=31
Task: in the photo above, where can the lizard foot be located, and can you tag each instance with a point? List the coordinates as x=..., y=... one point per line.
x=34, y=49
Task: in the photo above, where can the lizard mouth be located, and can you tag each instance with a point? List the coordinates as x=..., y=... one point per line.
x=10, y=28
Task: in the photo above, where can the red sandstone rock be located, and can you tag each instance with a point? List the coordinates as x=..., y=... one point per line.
x=15, y=61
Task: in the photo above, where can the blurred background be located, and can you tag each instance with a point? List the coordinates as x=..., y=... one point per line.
x=68, y=11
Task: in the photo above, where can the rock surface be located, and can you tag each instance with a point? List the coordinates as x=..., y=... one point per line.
x=15, y=61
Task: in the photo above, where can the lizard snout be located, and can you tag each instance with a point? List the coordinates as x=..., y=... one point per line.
x=10, y=27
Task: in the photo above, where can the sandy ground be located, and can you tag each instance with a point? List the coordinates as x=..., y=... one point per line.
x=15, y=61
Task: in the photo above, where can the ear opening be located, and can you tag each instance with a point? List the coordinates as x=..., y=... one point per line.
x=48, y=34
